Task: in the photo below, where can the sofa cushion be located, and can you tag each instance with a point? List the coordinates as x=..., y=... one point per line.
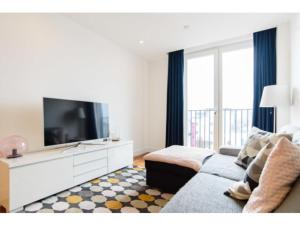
x=229, y=150
x=204, y=194
x=243, y=189
x=255, y=142
x=291, y=203
x=280, y=172
x=223, y=166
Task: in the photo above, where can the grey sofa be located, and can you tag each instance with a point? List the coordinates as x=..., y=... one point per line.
x=204, y=193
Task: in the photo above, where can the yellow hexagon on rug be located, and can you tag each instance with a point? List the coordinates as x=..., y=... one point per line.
x=95, y=181
x=112, y=204
x=138, y=168
x=113, y=180
x=146, y=198
x=74, y=199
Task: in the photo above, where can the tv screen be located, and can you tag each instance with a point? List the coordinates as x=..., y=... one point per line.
x=67, y=121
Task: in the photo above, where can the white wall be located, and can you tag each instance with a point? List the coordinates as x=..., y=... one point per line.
x=158, y=71
x=50, y=55
x=295, y=70
x=283, y=68
x=158, y=87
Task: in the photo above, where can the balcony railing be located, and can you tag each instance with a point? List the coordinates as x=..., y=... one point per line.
x=236, y=124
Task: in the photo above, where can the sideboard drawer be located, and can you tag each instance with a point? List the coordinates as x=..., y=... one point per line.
x=89, y=176
x=90, y=156
x=89, y=166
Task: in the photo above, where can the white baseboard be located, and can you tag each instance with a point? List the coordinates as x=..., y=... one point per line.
x=140, y=152
x=144, y=150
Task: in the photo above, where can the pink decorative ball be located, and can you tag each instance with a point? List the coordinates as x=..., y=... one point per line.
x=9, y=143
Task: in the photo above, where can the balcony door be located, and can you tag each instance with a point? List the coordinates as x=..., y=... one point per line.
x=202, y=99
x=218, y=96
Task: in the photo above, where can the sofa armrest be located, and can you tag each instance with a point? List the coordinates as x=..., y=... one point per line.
x=229, y=150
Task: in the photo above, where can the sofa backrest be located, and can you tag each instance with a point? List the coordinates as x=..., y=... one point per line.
x=291, y=203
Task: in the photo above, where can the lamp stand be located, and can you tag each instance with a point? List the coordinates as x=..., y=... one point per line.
x=275, y=120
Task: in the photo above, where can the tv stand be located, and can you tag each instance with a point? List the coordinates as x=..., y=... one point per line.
x=40, y=174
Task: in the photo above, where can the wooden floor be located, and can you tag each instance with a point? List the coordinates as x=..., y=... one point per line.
x=139, y=161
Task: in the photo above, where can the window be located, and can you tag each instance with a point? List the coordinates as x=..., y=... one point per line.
x=237, y=95
x=219, y=95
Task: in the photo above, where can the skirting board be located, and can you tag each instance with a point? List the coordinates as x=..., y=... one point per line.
x=143, y=151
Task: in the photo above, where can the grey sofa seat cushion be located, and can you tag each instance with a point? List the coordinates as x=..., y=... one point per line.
x=291, y=203
x=204, y=194
x=223, y=166
x=229, y=150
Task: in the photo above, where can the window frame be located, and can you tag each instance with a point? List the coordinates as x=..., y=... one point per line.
x=217, y=51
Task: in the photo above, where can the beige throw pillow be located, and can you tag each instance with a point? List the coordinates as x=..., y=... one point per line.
x=280, y=171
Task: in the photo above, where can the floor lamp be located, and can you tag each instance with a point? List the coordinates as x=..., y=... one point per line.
x=275, y=96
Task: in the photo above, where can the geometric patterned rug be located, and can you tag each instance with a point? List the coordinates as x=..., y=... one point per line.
x=123, y=191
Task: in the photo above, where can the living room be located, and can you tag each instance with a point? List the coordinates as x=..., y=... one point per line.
x=182, y=112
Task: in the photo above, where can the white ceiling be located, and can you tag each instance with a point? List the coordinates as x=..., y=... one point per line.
x=165, y=32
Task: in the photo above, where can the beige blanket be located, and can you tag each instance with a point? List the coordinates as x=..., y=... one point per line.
x=181, y=156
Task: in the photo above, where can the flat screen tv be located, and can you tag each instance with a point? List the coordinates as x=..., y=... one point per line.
x=68, y=121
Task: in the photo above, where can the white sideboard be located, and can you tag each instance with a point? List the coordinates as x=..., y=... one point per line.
x=40, y=174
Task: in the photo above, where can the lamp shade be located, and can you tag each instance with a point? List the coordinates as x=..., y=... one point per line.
x=274, y=96
x=12, y=142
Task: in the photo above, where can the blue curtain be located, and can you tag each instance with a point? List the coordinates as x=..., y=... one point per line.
x=264, y=75
x=174, y=131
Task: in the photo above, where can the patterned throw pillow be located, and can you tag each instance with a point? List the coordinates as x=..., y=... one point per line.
x=254, y=170
x=243, y=189
x=281, y=170
x=256, y=141
x=239, y=190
